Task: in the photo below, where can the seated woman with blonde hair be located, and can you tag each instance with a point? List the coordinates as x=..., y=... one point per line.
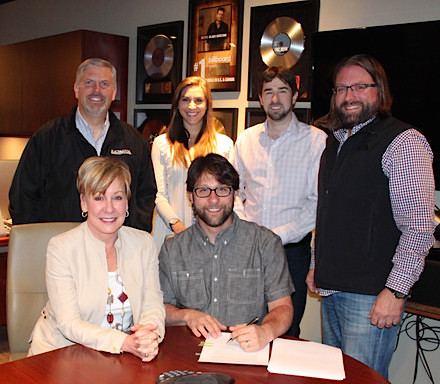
x=102, y=277
x=191, y=133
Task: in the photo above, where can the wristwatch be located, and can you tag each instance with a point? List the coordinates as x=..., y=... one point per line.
x=172, y=222
x=397, y=294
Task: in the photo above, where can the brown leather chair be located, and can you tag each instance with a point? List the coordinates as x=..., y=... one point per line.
x=26, y=293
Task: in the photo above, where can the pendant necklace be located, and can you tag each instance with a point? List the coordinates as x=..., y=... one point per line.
x=122, y=298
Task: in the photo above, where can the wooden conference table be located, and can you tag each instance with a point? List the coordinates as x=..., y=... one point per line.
x=79, y=365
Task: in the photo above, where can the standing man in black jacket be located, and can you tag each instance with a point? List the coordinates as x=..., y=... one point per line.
x=44, y=185
x=375, y=215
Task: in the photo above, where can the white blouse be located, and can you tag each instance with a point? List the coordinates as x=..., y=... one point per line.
x=171, y=200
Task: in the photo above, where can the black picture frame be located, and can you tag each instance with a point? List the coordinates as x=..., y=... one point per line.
x=254, y=116
x=304, y=12
x=221, y=65
x=257, y=115
x=228, y=118
x=303, y=114
x=158, y=62
x=151, y=122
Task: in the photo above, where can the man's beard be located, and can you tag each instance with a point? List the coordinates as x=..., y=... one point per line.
x=201, y=213
x=278, y=115
x=350, y=120
x=92, y=109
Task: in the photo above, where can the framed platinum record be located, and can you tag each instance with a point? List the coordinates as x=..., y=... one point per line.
x=159, y=62
x=281, y=36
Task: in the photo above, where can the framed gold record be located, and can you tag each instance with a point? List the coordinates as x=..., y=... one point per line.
x=281, y=36
x=159, y=62
x=151, y=122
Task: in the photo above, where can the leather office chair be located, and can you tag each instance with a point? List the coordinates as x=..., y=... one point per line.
x=26, y=293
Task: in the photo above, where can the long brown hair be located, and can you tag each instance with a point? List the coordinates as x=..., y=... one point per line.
x=332, y=121
x=178, y=136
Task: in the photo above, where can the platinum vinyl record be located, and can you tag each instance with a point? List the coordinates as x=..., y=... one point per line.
x=282, y=42
x=158, y=57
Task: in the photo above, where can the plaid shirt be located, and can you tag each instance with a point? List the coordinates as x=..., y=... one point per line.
x=233, y=280
x=407, y=163
x=279, y=177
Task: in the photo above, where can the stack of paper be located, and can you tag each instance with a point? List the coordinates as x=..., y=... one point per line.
x=220, y=351
x=289, y=357
x=303, y=358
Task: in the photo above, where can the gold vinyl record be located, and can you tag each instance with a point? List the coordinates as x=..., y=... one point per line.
x=282, y=42
x=158, y=57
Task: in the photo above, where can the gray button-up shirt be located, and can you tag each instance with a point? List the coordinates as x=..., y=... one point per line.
x=233, y=279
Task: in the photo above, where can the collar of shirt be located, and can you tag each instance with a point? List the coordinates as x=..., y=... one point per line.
x=342, y=134
x=292, y=129
x=86, y=131
x=224, y=236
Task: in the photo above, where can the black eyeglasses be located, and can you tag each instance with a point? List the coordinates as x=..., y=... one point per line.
x=355, y=88
x=204, y=192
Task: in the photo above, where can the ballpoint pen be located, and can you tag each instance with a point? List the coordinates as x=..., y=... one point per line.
x=253, y=321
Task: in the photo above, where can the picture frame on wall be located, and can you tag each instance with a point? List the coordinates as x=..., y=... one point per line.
x=151, y=122
x=257, y=115
x=158, y=62
x=226, y=120
x=254, y=116
x=303, y=114
x=214, y=42
x=281, y=36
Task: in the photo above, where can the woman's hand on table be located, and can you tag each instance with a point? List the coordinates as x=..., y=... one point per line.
x=143, y=342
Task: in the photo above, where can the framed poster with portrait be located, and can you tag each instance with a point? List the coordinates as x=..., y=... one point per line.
x=214, y=45
x=226, y=121
x=281, y=36
x=158, y=62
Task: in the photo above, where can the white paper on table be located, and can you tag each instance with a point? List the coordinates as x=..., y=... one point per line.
x=219, y=351
x=306, y=358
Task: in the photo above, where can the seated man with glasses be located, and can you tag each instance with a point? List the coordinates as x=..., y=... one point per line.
x=223, y=271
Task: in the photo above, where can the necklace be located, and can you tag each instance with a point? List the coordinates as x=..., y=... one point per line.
x=110, y=299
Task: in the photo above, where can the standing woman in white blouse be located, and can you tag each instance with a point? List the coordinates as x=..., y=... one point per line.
x=191, y=133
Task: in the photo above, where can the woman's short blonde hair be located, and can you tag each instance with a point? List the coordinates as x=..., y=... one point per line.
x=97, y=173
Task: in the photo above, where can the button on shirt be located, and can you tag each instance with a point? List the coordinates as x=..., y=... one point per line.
x=278, y=178
x=233, y=280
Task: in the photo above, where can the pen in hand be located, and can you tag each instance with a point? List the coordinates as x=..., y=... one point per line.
x=253, y=321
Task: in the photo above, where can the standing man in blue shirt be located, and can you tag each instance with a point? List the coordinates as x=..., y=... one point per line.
x=44, y=185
